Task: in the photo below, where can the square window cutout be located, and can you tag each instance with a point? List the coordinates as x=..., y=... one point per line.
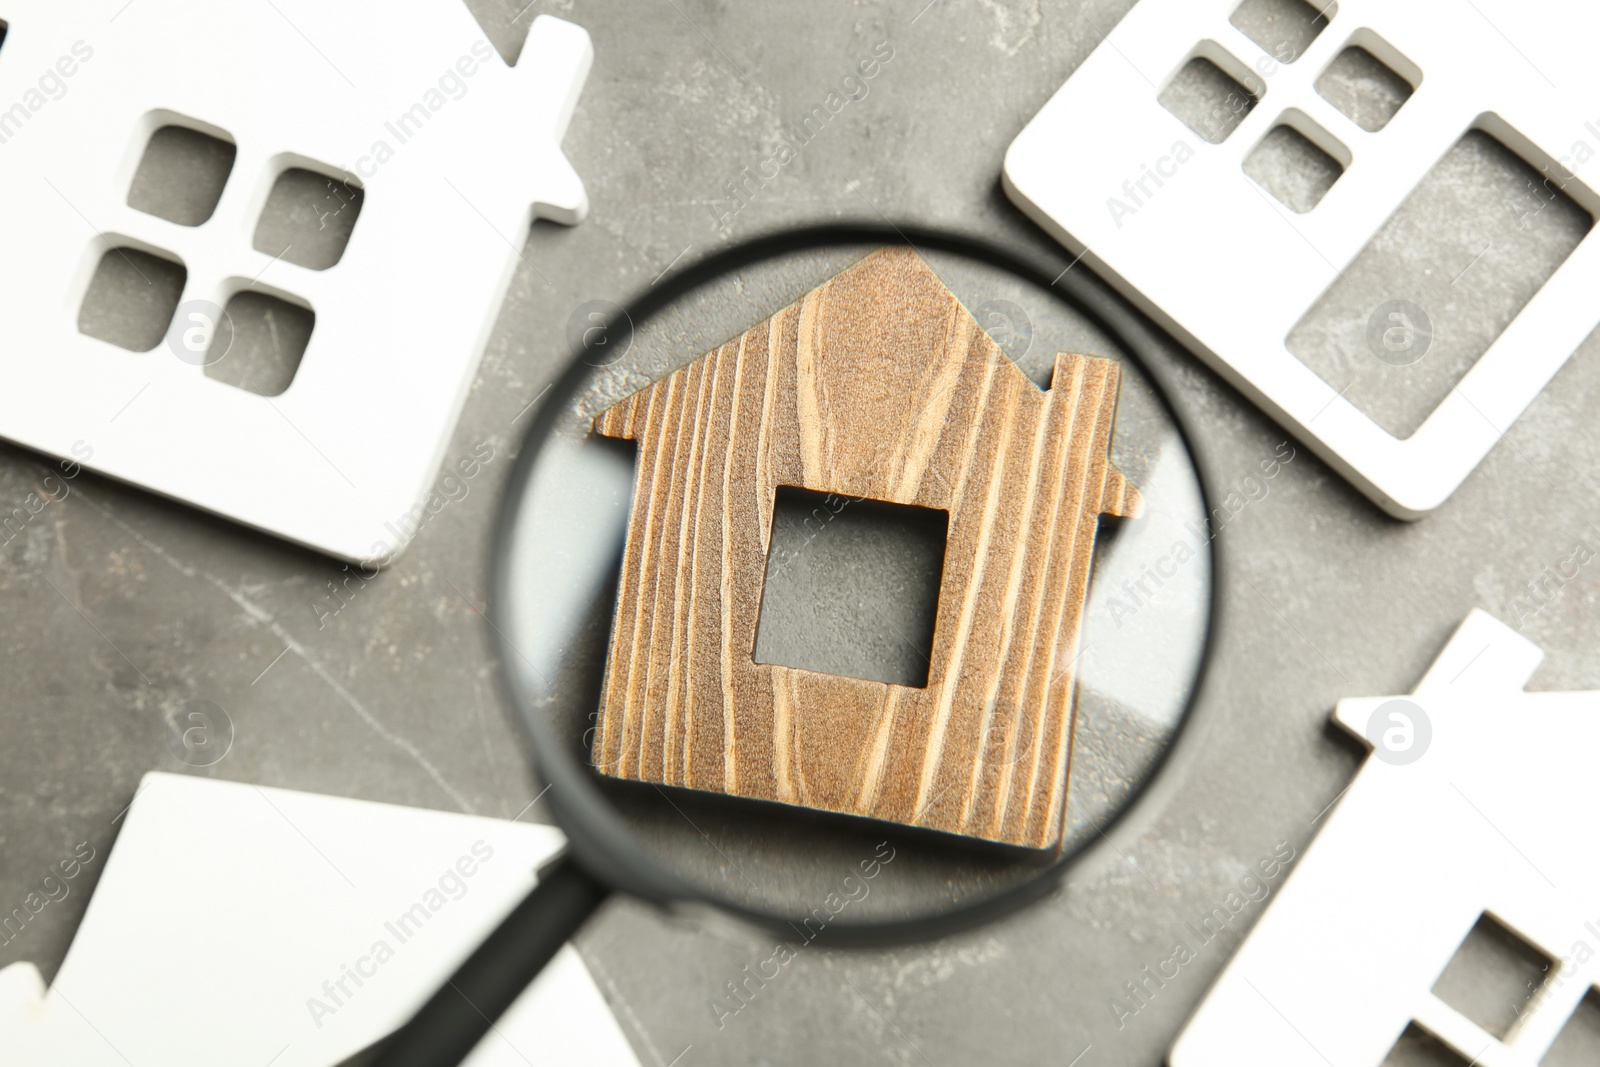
x=1418, y=1048
x=259, y=342
x=181, y=175
x=1292, y=167
x=1208, y=99
x=308, y=218
x=1368, y=91
x=1493, y=977
x=1578, y=1044
x=1283, y=28
x=131, y=298
x=852, y=587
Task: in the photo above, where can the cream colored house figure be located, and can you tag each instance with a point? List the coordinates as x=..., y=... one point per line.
x=1448, y=911
x=306, y=930
x=438, y=155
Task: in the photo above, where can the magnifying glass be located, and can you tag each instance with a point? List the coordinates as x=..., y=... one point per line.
x=850, y=583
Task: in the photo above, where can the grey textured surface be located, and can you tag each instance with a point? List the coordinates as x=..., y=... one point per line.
x=852, y=587
x=259, y=342
x=121, y=607
x=1283, y=28
x=181, y=175
x=1359, y=85
x=1208, y=99
x=131, y=298
x=1490, y=975
x=1292, y=169
x=1579, y=1042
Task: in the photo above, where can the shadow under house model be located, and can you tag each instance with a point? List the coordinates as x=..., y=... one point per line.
x=877, y=384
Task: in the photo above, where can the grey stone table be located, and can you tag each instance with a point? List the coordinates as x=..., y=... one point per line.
x=393, y=696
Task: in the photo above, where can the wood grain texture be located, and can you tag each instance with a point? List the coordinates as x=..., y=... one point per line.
x=877, y=384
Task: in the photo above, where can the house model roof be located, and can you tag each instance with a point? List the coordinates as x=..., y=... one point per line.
x=1446, y=831
x=877, y=384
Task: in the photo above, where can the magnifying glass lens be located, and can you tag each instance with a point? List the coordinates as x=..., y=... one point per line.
x=857, y=587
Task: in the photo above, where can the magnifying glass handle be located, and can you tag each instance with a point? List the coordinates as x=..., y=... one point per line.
x=464, y=1009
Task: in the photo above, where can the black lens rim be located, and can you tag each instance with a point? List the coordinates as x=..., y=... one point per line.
x=597, y=838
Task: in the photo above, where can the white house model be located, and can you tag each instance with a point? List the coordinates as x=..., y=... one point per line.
x=443, y=153
x=1472, y=814
x=1174, y=210
x=240, y=924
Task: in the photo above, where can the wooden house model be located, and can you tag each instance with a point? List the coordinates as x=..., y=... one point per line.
x=877, y=384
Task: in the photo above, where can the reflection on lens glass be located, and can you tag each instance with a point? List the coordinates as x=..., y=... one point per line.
x=860, y=596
